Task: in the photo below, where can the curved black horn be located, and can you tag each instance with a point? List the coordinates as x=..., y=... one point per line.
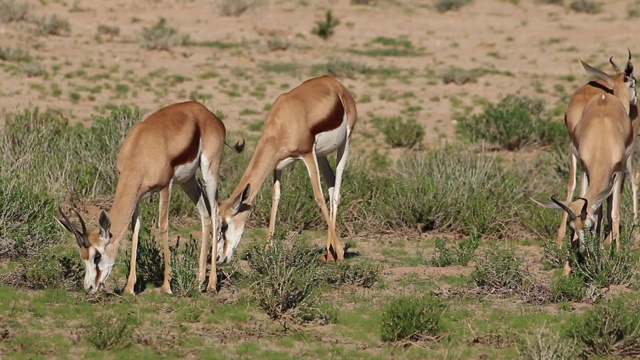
x=583, y=213
x=564, y=207
x=629, y=68
x=81, y=238
x=615, y=67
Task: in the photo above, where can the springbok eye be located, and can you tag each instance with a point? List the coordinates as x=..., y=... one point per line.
x=97, y=257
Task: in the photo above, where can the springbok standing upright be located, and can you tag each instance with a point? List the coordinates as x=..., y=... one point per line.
x=573, y=114
x=602, y=142
x=164, y=149
x=307, y=123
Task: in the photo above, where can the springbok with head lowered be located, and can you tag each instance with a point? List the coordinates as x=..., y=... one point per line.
x=165, y=149
x=307, y=123
x=575, y=107
x=602, y=142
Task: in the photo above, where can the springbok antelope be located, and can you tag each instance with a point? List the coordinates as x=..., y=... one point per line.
x=309, y=122
x=164, y=149
x=576, y=105
x=602, y=141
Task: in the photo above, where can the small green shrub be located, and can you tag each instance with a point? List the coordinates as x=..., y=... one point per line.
x=608, y=329
x=14, y=54
x=13, y=11
x=362, y=274
x=52, y=25
x=110, y=332
x=555, y=257
x=283, y=278
x=184, y=267
x=443, y=6
x=515, y=122
x=546, y=345
x=324, y=28
x=552, y=2
x=586, y=6
x=412, y=318
x=108, y=30
x=52, y=269
x=605, y=266
x=399, y=133
x=499, y=270
x=161, y=37
x=233, y=7
x=568, y=288
x=459, y=255
x=149, y=260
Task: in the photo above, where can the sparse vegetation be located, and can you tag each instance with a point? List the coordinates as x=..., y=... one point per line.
x=13, y=11
x=52, y=25
x=513, y=123
x=400, y=133
x=586, y=6
x=325, y=28
x=162, y=37
x=234, y=7
x=412, y=318
x=443, y=6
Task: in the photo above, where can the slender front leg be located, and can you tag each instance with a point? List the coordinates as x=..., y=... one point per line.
x=571, y=188
x=275, y=201
x=165, y=195
x=615, y=210
x=334, y=249
x=131, y=280
x=631, y=173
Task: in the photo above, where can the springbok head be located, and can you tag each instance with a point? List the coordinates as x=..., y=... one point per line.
x=98, y=261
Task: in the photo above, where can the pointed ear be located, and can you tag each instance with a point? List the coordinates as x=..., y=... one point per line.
x=235, y=208
x=597, y=73
x=105, y=225
x=546, y=203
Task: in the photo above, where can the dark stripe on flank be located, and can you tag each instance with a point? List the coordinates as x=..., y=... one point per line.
x=190, y=152
x=331, y=120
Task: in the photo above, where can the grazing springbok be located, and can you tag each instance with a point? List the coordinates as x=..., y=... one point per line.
x=576, y=105
x=164, y=149
x=602, y=141
x=308, y=123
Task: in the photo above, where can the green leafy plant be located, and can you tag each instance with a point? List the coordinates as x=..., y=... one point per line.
x=13, y=11
x=499, y=270
x=568, y=288
x=443, y=6
x=324, y=28
x=515, y=122
x=608, y=329
x=412, y=318
x=284, y=277
x=604, y=266
x=110, y=332
x=161, y=37
x=400, y=133
x=184, y=267
x=461, y=254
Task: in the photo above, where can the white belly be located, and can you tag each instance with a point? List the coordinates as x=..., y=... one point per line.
x=184, y=172
x=328, y=142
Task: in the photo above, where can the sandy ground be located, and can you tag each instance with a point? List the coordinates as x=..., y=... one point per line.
x=528, y=48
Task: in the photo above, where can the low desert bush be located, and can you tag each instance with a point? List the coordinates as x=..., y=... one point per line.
x=283, y=278
x=110, y=332
x=184, y=267
x=499, y=270
x=58, y=267
x=568, y=288
x=586, y=6
x=604, y=266
x=546, y=345
x=233, y=7
x=12, y=11
x=325, y=28
x=411, y=318
x=14, y=54
x=513, y=123
x=460, y=254
x=356, y=274
x=161, y=37
x=52, y=25
x=443, y=6
x=609, y=329
x=400, y=133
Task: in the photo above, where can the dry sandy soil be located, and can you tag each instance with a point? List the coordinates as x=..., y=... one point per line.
x=526, y=48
